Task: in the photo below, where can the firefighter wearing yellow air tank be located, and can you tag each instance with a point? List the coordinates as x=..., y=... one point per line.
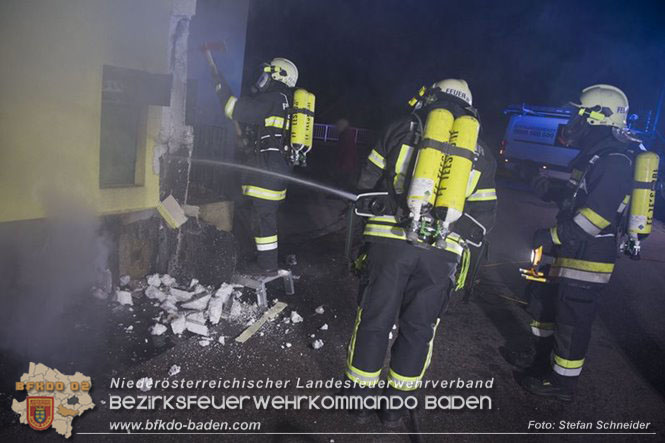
x=280, y=122
x=441, y=187
x=608, y=203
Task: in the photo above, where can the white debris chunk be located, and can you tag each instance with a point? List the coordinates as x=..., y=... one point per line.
x=129, y=328
x=320, y=310
x=154, y=280
x=178, y=325
x=324, y=327
x=124, y=297
x=193, y=283
x=394, y=327
x=222, y=340
x=153, y=293
x=317, y=344
x=204, y=342
x=224, y=291
x=169, y=307
x=199, y=304
x=197, y=317
x=197, y=328
x=124, y=280
x=312, y=336
x=295, y=317
x=215, y=308
x=99, y=294
x=174, y=370
x=144, y=384
x=167, y=280
x=181, y=295
x=158, y=329
x=288, y=345
x=390, y=335
x=199, y=289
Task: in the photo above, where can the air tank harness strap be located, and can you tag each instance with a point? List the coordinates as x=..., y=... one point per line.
x=450, y=149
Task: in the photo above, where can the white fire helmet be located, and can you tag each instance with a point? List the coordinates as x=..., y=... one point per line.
x=613, y=105
x=286, y=71
x=455, y=87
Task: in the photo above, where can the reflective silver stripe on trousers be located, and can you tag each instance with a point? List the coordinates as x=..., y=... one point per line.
x=266, y=247
x=355, y=376
x=566, y=372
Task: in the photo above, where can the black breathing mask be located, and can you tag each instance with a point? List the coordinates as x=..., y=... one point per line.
x=265, y=79
x=578, y=127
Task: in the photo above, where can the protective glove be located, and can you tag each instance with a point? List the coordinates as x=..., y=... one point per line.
x=542, y=237
x=222, y=89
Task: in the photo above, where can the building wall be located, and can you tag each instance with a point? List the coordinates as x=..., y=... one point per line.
x=51, y=59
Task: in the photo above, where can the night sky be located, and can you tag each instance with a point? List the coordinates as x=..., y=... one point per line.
x=365, y=59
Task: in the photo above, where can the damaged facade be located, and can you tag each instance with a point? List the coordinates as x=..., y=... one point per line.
x=85, y=128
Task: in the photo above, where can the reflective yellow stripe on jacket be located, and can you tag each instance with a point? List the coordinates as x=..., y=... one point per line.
x=590, y=221
x=377, y=159
x=263, y=193
x=274, y=121
x=482, y=195
x=401, y=167
x=386, y=227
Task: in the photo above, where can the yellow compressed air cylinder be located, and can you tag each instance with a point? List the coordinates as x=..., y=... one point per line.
x=643, y=197
x=427, y=170
x=302, y=120
x=451, y=195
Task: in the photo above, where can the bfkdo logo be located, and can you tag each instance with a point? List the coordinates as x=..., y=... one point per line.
x=52, y=399
x=40, y=412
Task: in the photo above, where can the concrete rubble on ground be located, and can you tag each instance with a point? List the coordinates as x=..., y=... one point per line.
x=158, y=329
x=192, y=309
x=295, y=317
x=124, y=297
x=174, y=370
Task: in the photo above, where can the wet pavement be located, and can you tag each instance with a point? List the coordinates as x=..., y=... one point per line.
x=623, y=379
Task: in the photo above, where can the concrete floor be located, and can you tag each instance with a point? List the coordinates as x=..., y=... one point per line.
x=623, y=380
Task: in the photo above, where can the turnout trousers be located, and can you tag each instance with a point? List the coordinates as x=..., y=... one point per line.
x=565, y=311
x=407, y=286
x=265, y=194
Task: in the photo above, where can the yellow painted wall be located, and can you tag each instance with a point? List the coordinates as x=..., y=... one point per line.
x=51, y=58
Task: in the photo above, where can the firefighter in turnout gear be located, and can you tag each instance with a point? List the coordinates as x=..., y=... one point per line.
x=583, y=242
x=412, y=281
x=265, y=114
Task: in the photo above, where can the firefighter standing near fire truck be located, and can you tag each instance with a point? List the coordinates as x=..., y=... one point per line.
x=595, y=210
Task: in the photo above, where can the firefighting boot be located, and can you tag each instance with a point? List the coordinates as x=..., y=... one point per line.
x=393, y=418
x=258, y=269
x=360, y=415
x=548, y=387
x=535, y=358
